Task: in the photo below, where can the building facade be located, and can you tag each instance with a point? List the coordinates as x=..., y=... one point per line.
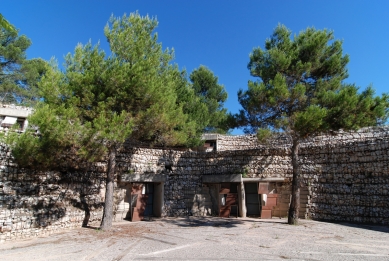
x=345, y=177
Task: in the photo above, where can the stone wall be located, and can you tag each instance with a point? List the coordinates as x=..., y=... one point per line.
x=247, y=142
x=250, y=141
x=341, y=174
x=345, y=178
x=35, y=203
x=186, y=169
x=348, y=177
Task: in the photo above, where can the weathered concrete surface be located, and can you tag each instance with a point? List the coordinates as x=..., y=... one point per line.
x=209, y=239
x=15, y=111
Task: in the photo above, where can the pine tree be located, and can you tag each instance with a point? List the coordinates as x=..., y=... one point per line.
x=6, y=25
x=18, y=76
x=98, y=102
x=301, y=93
x=213, y=95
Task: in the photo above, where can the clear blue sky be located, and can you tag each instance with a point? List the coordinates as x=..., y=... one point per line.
x=217, y=34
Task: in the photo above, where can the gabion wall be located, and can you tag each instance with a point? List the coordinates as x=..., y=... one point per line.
x=347, y=176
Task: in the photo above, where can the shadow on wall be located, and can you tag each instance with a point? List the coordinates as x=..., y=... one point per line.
x=186, y=194
x=32, y=199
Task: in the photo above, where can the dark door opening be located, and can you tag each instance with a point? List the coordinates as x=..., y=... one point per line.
x=253, y=200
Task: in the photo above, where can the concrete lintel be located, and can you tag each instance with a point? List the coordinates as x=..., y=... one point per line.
x=209, y=136
x=143, y=178
x=245, y=180
x=222, y=178
x=14, y=112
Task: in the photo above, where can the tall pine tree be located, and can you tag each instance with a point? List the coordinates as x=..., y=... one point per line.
x=206, y=86
x=98, y=102
x=18, y=76
x=300, y=92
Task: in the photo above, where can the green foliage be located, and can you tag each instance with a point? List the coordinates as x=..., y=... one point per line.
x=194, y=108
x=264, y=134
x=151, y=80
x=98, y=102
x=245, y=172
x=59, y=132
x=300, y=90
x=18, y=76
x=301, y=93
x=213, y=95
x=4, y=24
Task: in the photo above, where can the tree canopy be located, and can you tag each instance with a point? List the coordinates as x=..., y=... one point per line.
x=6, y=25
x=18, y=76
x=98, y=102
x=301, y=92
x=213, y=95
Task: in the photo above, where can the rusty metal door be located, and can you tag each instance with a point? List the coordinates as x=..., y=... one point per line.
x=141, y=201
x=270, y=203
x=138, y=203
x=228, y=199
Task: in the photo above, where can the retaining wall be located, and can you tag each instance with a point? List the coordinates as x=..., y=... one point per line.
x=345, y=177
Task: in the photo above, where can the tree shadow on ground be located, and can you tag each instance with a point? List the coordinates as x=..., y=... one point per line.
x=204, y=222
x=216, y=221
x=373, y=227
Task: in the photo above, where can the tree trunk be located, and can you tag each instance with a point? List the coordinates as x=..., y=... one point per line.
x=106, y=222
x=86, y=209
x=294, y=207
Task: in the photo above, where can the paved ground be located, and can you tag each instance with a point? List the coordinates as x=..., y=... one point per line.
x=208, y=239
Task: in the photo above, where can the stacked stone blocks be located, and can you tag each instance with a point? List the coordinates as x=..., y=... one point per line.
x=345, y=177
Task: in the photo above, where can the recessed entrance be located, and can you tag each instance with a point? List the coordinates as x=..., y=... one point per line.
x=253, y=200
x=145, y=201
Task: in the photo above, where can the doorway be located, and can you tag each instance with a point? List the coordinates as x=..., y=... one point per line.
x=142, y=201
x=253, y=200
x=228, y=200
